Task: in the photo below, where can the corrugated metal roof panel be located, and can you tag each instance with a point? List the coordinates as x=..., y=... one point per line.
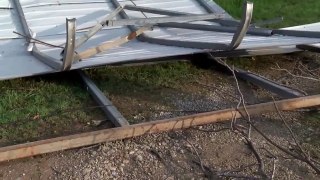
x=46, y=18
x=8, y=22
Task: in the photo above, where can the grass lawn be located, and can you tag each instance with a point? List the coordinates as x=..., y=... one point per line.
x=55, y=104
x=294, y=12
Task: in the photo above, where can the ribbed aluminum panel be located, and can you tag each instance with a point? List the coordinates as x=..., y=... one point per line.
x=8, y=22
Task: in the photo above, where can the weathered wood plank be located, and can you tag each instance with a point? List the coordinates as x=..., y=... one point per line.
x=85, y=139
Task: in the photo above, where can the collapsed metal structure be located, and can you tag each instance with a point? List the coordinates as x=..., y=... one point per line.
x=130, y=32
x=42, y=41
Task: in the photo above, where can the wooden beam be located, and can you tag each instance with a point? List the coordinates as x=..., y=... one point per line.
x=112, y=44
x=90, y=138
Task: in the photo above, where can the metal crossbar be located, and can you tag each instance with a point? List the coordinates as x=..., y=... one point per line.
x=241, y=31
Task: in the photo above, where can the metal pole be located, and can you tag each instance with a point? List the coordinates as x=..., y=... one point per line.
x=68, y=52
x=34, y=50
x=106, y=105
x=96, y=28
x=157, y=20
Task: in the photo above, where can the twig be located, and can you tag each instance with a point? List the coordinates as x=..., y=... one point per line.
x=286, y=151
x=248, y=136
x=242, y=97
x=289, y=129
x=286, y=70
x=274, y=168
x=258, y=157
x=38, y=41
x=308, y=70
x=195, y=150
x=211, y=130
x=239, y=170
x=306, y=157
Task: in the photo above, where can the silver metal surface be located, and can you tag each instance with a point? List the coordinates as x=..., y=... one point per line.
x=105, y=104
x=157, y=20
x=46, y=20
x=69, y=50
x=84, y=38
x=244, y=25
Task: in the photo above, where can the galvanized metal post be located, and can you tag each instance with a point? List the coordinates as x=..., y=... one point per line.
x=105, y=104
x=69, y=50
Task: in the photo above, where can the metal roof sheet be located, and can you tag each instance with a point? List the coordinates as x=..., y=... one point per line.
x=46, y=18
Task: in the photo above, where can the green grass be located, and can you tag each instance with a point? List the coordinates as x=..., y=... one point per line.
x=40, y=106
x=122, y=80
x=34, y=107
x=294, y=12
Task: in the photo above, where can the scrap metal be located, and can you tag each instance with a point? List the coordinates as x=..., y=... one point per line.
x=45, y=22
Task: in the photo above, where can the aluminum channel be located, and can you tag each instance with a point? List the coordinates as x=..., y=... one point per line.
x=46, y=18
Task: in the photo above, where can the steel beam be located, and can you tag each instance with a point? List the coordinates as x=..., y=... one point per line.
x=244, y=25
x=157, y=20
x=186, y=44
x=34, y=50
x=69, y=50
x=106, y=105
x=22, y=18
x=296, y=33
x=215, y=28
x=262, y=82
x=228, y=28
x=81, y=40
x=226, y=22
x=309, y=47
x=256, y=52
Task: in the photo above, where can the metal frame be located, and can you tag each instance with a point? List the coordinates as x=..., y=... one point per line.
x=105, y=104
x=69, y=50
x=158, y=20
x=244, y=25
x=215, y=28
x=217, y=49
x=262, y=82
x=34, y=50
x=94, y=30
x=230, y=29
x=199, y=45
x=296, y=33
x=309, y=47
x=106, y=135
x=223, y=22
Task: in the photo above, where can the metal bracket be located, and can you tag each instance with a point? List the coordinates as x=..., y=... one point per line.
x=199, y=45
x=34, y=50
x=244, y=25
x=217, y=28
x=96, y=28
x=69, y=50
